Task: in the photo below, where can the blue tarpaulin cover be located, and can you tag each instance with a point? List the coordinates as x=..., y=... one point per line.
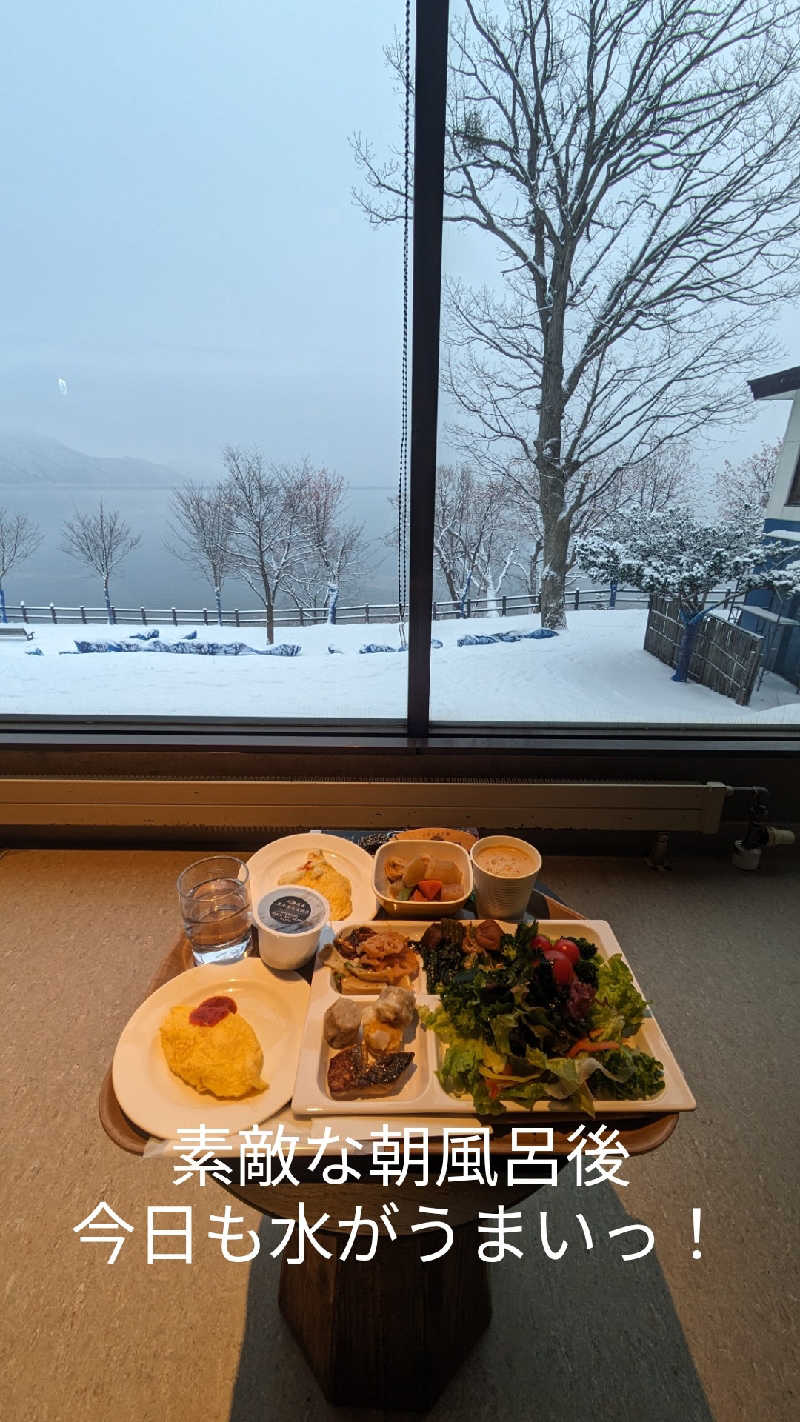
x=488, y=640
x=198, y=649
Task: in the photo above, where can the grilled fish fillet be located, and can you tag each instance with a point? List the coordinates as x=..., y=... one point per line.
x=353, y=1073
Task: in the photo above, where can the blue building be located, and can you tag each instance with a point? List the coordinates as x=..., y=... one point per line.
x=778, y=620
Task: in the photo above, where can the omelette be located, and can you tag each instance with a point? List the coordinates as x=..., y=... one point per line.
x=212, y=1048
x=317, y=873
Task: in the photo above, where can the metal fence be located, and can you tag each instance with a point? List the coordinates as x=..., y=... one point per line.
x=504, y=605
x=724, y=657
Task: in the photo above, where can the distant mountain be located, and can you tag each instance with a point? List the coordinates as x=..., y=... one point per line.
x=32, y=460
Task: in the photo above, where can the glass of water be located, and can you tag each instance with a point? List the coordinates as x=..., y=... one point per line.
x=215, y=903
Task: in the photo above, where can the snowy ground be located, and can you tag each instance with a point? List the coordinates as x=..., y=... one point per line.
x=595, y=671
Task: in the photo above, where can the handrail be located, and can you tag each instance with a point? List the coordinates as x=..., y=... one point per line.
x=501, y=605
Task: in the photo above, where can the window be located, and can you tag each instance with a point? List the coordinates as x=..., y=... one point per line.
x=194, y=278
x=582, y=374
x=200, y=404
x=794, y=489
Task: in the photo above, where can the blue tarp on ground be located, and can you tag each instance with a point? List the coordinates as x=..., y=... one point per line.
x=198, y=649
x=487, y=640
x=379, y=647
x=145, y=636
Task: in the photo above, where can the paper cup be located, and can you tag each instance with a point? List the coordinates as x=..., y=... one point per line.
x=503, y=895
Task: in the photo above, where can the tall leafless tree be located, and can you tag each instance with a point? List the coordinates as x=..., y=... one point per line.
x=332, y=544
x=202, y=532
x=743, y=489
x=19, y=539
x=100, y=540
x=634, y=165
x=266, y=539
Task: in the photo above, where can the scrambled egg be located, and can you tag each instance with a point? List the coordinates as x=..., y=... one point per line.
x=317, y=873
x=225, y=1059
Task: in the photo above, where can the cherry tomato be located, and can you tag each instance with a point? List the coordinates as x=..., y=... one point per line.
x=570, y=947
x=562, y=967
x=543, y=944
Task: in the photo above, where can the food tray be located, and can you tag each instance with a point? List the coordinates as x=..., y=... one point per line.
x=421, y=1093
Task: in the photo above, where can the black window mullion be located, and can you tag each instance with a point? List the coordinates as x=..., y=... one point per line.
x=430, y=91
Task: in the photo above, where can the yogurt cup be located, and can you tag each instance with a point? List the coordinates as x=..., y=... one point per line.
x=503, y=895
x=289, y=921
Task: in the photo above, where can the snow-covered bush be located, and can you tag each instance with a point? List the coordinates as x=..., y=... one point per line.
x=673, y=554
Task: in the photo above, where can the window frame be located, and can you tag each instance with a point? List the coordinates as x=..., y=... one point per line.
x=148, y=746
x=793, y=497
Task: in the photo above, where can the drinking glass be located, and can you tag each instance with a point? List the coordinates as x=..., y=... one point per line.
x=215, y=903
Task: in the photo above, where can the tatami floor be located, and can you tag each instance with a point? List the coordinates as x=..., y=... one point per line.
x=585, y=1339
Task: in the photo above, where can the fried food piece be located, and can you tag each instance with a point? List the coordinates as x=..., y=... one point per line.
x=317, y=873
x=349, y=943
x=366, y=959
x=352, y=1073
x=486, y=936
x=223, y=1058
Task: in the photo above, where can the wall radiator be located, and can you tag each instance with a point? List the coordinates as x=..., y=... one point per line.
x=153, y=804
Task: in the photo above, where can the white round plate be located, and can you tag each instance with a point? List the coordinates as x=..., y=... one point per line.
x=159, y=1102
x=286, y=856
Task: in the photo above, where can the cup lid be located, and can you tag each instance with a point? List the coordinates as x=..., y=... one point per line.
x=291, y=909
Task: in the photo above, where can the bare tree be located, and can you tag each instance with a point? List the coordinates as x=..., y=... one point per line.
x=743, y=489
x=100, y=540
x=332, y=545
x=633, y=163
x=474, y=542
x=202, y=532
x=19, y=539
x=266, y=537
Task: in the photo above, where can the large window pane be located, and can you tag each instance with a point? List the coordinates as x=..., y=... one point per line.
x=598, y=336
x=193, y=300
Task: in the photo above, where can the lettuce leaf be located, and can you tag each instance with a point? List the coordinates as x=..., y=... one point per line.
x=618, y=1009
x=627, y=1075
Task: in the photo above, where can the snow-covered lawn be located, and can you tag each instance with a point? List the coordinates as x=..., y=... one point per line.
x=595, y=671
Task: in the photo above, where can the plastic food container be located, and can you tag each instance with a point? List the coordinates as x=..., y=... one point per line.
x=289, y=921
x=406, y=851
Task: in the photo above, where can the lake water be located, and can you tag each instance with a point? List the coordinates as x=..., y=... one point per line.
x=152, y=576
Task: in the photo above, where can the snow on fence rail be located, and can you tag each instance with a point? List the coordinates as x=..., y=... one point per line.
x=503, y=605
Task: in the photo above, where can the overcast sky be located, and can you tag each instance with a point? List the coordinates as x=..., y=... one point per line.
x=179, y=243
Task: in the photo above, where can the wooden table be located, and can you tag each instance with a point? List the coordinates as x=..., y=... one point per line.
x=389, y=1332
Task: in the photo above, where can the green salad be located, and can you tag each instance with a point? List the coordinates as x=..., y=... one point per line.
x=527, y=1018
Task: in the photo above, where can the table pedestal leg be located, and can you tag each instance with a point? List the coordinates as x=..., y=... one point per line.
x=391, y=1332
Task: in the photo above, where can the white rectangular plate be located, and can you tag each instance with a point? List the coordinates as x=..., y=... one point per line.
x=421, y=1093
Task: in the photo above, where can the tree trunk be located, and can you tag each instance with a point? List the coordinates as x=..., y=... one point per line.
x=554, y=572
x=552, y=478
x=218, y=600
x=3, y=616
x=107, y=597
x=270, y=622
x=331, y=601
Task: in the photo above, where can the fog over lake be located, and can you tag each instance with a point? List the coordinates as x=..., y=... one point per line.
x=49, y=482
x=184, y=267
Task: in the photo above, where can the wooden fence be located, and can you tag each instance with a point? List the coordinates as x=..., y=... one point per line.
x=724, y=657
x=505, y=605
